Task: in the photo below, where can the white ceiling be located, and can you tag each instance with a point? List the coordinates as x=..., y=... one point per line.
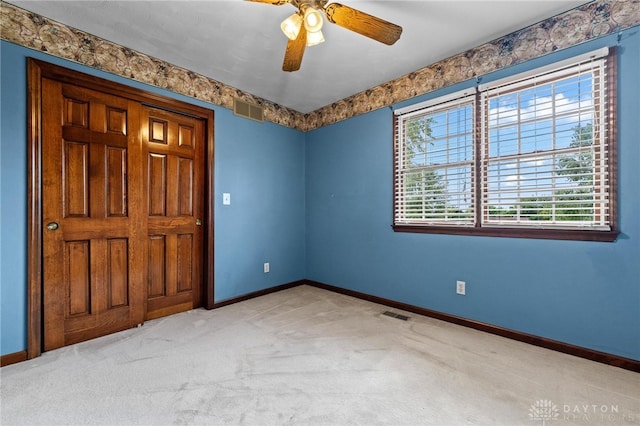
x=239, y=43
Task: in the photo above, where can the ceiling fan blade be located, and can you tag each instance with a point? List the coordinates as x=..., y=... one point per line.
x=273, y=2
x=363, y=23
x=295, y=51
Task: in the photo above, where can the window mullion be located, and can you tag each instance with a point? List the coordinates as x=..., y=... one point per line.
x=481, y=140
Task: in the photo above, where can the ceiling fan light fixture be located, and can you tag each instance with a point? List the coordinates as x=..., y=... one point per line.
x=314, y=38
x=291, y=26
x=312, y=19
x=303, y=28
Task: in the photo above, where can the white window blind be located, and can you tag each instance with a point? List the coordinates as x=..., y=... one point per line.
x=535, y=151
x=545, y=150
x=434, y=164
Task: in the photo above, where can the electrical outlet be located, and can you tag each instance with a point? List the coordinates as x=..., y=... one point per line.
x=460, y=287
x=266, y=267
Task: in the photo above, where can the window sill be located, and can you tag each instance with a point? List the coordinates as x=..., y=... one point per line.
x=546, y=234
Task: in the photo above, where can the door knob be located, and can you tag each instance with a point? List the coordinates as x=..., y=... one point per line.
x=52, y=226
x=198, y=222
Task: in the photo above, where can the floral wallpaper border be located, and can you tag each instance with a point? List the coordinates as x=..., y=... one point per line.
x=590, y=21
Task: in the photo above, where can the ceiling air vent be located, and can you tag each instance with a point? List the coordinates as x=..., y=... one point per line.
x=248, y=110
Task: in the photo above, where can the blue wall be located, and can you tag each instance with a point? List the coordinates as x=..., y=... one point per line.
x=261, y=165
x=583, y=293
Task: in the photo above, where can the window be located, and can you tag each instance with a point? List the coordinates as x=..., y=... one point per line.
x=435, y=163
x=529, y=156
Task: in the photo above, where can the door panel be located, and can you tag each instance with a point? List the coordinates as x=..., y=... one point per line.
x=185, y=187
x=77, y=278
x=174, y=146
x=157, y=192
x=157, y=266
x=76, y=179
x=90, y=151
x=117, y=272
x=184, y=256
x=116, y=182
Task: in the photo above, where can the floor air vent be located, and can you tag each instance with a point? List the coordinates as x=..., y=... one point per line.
x=394, y=315
x=248, y=110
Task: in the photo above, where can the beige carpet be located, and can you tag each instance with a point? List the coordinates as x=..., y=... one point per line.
x=309, y=356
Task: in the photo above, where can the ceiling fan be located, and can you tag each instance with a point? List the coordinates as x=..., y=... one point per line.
x=304, y=28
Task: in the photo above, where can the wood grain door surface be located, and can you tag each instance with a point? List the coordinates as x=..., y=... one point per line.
x=174, y=150
x=122, y=189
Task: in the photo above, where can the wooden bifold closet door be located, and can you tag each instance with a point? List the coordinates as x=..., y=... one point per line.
x=174, y=147
x=122, y=208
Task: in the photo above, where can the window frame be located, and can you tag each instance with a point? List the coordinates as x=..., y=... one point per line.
x=480, y=161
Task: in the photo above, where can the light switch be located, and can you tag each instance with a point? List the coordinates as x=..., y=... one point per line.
x=226, y=198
